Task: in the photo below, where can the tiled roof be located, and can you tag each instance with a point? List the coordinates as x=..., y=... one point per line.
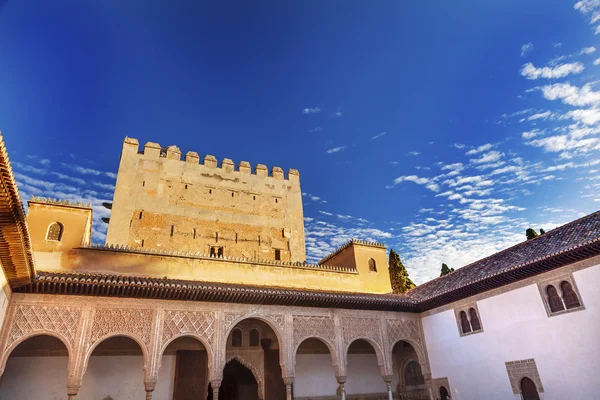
x=173, y=289
x=566, y=244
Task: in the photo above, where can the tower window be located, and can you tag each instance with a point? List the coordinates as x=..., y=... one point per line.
x=217, y=237
x=186, y=186
x=209, y=191
x=172, y=230
x=277, y=254
x=372, y=265
x=216, y=251
x=236, y=237
x=253, y=197
x=143, y=183
x=259, y=240
x=142, y=242
x=141, y=212
x=194, y=233
x=559, y=295
x=55, y=231
x=276, y=200
x=232, y=194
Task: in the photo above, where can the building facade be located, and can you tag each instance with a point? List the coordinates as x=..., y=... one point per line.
x=202, y=291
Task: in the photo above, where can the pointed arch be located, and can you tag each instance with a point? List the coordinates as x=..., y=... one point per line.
x=252, y=369
x=376, y=347
x=145, y=351
x=332, y=351
x=209, y=352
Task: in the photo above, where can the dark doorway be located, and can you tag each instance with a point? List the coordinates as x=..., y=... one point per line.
x=528, y=390
x=190, y=375
x=443, y=393
x=238, y=383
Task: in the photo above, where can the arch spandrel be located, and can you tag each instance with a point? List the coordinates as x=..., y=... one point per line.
x=409, y=332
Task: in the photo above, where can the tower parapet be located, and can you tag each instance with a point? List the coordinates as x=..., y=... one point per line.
x=193, y=204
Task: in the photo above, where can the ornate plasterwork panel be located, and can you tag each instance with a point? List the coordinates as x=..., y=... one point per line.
x=313, y=326
x=361, y=328
x=401, y=330
x=197, y=323
x=520, y=369
x=115, y=321
x=30, y=319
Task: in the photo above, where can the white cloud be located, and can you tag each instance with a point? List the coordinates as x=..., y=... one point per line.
x=311, y=110
x=458, y=146
x=531, y=134
x=80, y=169
x=480, y=149
x=317, y=129
x=571, y=95
x=45, y=162
x=414, y=153
x=587, y=50
x=429, y=184
x=597, y=61
x=526, y=49
x=337, y=113
x=491, y=156
x=587, y=116
x=559, y=71
x=379, y=135
x=336, y=149
x=453, y=167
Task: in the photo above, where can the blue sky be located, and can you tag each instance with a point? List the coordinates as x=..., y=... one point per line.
x=441, y=129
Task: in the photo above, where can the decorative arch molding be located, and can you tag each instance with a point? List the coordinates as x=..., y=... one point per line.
x=9, y=349
x=196, y=324
x=408, y=331
x=315, y=327
x=275, y=321
x=90, y=350
x=258, y=371
x=378, y=353
x=164, y=346
x=367, y=329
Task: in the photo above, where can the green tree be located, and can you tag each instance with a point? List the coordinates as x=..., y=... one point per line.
x=446, y=269
x=531, y=233
x=542, y=231
x=399, y=275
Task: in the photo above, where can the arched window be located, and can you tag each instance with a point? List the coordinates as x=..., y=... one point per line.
x=443, y=393
x=528, y=390
x=372, y=265
x=569, y=295
x=554, y=300
x=413, y=375
x=474, y=320
x=464, y=322
x=254, y=338
x=55, y=231
x=236, y=338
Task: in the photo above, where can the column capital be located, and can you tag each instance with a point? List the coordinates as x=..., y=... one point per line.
x=215, y=383
x=387, y=378
x=288, y=380
x=341, y=378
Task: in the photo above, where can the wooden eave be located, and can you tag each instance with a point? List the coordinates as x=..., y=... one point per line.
x=16, y=255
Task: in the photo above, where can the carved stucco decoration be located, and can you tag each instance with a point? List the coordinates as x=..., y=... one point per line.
x=313, y=326
x=409, y=331
x=361, y=328
x=254, y=361
x=122, y=321
x=517, y=370
x=31, y=319
x=195, y=323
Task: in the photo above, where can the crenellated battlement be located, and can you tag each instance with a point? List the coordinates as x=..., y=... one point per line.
x=59, y=202
x=154, y=151
x=348, y=244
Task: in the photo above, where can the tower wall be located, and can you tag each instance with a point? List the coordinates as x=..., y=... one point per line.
x=164, y=202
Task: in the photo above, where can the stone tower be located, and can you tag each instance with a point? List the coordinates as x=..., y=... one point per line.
x=163, y=202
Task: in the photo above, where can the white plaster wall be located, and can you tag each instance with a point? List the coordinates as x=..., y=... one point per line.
x=120, y=377
x=314, y=376
x=566, y=348
x=364, y=375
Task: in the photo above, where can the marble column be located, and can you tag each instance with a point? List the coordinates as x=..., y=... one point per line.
x=288, y=387
x=341, y=381
x=215, y=384
x=149, y=387
x=388, y=383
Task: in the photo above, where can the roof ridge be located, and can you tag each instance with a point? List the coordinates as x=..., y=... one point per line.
x=525, y=242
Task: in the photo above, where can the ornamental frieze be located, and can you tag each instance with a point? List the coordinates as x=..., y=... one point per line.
x=313, y=326
x=197, y=323
x=118, y=321
x=30, y=319
x=361, y=328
